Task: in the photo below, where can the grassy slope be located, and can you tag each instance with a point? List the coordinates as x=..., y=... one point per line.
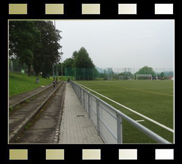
x=65, y=78
x=20, y=83
x=151, y=98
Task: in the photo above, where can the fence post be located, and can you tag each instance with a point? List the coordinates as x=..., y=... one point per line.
x=88, y=104
x=97, y=108
x=119, y=129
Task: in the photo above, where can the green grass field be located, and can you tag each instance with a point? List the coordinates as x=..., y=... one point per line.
x=153, y=99
x=20, y=83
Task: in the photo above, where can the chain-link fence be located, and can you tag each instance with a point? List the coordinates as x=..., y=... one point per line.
x=145, y=73
x=15, y=66
x=82, y=73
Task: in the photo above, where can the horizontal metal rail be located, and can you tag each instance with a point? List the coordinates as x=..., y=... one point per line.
x=77, y=88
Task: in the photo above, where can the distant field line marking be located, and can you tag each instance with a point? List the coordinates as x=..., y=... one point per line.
x=139, y=120
x=155, y=122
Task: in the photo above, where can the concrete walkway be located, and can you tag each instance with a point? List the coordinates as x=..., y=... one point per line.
x=76, y=127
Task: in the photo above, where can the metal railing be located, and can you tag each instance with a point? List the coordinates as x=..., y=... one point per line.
x=107, y=119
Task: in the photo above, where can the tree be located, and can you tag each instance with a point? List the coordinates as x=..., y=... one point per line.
x=82, y=59
x=146, y=70
x=68, y=67
x=83, y=64
x=23, y=37
x=162, y=74
x=80, y=66
x=14, y=65
x=35, y=43
x=75, y=53
x=47, y=52
x=125, y=75
x=68, y=62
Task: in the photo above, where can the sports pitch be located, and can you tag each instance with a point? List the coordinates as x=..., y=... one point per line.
x=153, y=99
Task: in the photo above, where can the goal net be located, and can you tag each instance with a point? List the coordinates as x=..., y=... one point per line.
x=143, y=77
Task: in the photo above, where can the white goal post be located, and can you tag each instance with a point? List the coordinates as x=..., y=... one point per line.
x=144, y=76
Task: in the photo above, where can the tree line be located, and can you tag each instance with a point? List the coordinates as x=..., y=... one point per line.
x=126, y=74
x=144, y=70
x=80, y=65
x=36, y=44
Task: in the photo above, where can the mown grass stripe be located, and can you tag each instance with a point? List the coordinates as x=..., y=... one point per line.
x=145, y=91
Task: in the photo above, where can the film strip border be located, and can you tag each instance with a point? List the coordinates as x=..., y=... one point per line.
x=90, y=9
x=132, y=9
x=92, y=154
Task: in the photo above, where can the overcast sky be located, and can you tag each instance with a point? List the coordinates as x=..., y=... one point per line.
x=120, y=43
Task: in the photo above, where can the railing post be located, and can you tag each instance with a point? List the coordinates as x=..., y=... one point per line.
x=97, y=108
x=88, y=104
x=80, y=93
x=119, y=129
x=83, y=99
x=81, y=96
x=76, y=88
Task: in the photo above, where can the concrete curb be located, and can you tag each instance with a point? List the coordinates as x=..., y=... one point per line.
x=57, y=133
x=13, y=136
x=35, y=94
